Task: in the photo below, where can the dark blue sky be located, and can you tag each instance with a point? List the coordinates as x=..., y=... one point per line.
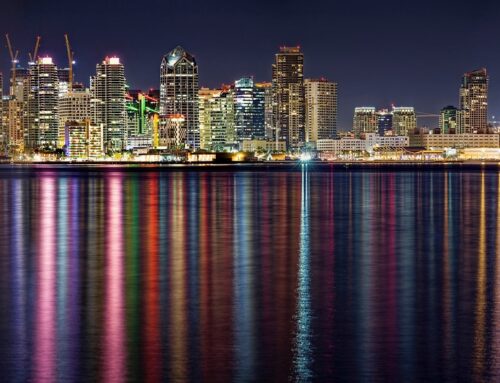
x=402, y=52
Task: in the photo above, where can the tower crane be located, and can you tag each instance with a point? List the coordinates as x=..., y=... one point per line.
x=14, y=61
x=34, y=55
x=70, y=62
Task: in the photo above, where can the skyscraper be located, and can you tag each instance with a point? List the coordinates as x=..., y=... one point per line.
x=217, y=118
x=108, y=102
x=321, y=109
x=267, y=89
x=474, y=102
x=288, y=94
x=42, y=104
x=179, y=92
x=404, y=120
x=249, y=109
x=365, y=120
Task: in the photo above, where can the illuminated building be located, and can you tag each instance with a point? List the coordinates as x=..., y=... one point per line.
x=142, y=119
x=15, y=110
x=172, y=133
x=179, y=92
x=384, y=122
x=217, y=119
x=364, y=121
x=321, y=109
x=108, y=102
x=267, y=89
x=42, y=104
x=83, y=140
x=474, y=102
x=13, y=117
x=448, y=119
x=263, y=145
x=457, y=141
x=404, y=120
x=288, y=94
x=63, y=81
x=249, y=110
x=367, y=143
x=74, y=105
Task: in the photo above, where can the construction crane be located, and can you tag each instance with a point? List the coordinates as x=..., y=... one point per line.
x=70, y=62
x=34, y=55
x=14, y=61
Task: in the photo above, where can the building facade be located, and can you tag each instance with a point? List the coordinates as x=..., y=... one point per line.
x=249, y=110
x=108, y=103
x=448, y=120
x=474, y=102
x=179, y=92
x=368, y=143
x=217, y=119
x=404, y=120
x=320, y=110
x=288, y=96
x=384, y=122
x=364, y=121
x=457, y=141
x=74, y=105
x=83, y=140
x=42, y=106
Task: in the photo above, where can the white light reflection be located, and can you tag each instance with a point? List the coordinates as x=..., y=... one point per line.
x=303, y=348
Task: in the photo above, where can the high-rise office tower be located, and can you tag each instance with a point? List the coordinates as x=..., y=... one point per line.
x=288, y=94
x=217, y=119
x=42, y=104
x=179, y=92
x=74, y=106
x=364, y=121
x=384, y=122
x=474, y=101
x=108, y=102
x=267, y=89
x=249, y=109
x=404, y=120
x=321, y=109
x=448, y=120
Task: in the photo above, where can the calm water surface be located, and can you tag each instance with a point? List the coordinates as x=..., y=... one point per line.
x=118, y=275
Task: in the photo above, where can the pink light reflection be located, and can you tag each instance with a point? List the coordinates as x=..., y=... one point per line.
x=114, y=350
x=44, y=368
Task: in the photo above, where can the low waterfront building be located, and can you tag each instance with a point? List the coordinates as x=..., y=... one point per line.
x=367, y=143
x=83, y=140
x=458, y=141
x=267, y=146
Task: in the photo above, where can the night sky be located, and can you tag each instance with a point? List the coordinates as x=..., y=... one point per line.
x=403, y=52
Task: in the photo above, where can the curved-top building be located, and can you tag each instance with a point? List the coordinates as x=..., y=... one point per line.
x=179, y=92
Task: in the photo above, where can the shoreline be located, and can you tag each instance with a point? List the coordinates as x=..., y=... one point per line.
x=256, y=166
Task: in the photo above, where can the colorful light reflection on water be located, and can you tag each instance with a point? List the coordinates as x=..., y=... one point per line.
x=300, y=275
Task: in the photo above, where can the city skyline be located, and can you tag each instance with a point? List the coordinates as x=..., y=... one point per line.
x=342, y=125
x=420, y=55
